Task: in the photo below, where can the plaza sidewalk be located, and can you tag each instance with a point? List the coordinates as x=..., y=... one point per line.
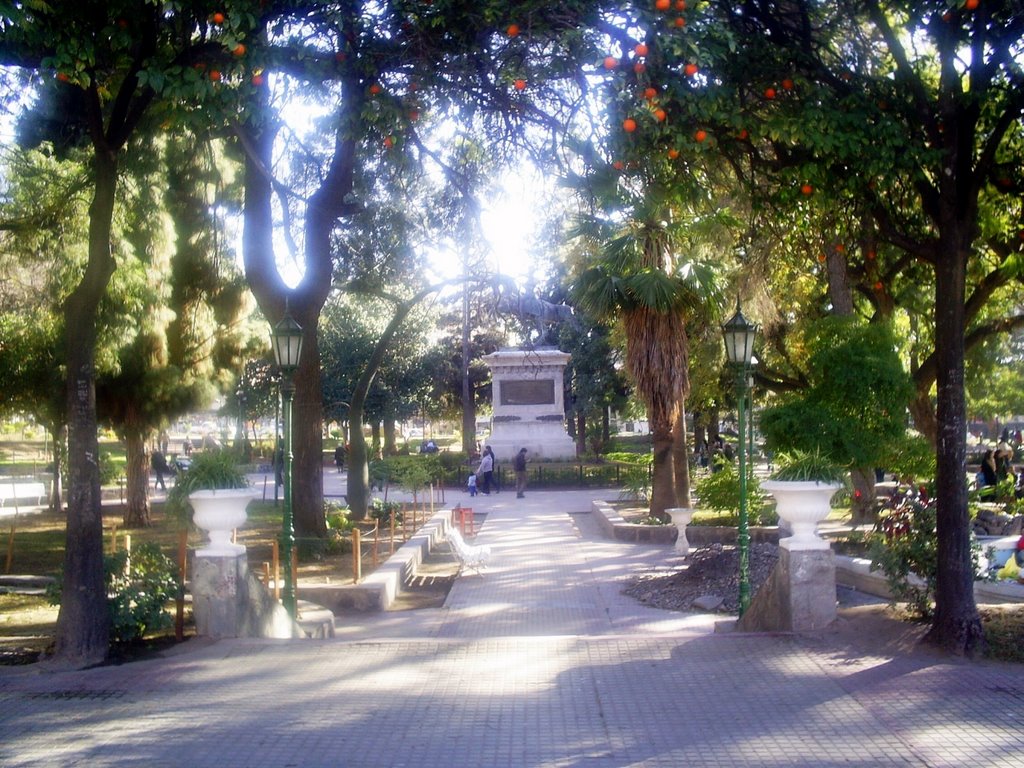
x=539, y=662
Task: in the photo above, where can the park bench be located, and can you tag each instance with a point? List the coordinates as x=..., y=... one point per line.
x=15, y=489
x=472, y=556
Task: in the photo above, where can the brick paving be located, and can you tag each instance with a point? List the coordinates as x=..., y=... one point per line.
x=539, y=662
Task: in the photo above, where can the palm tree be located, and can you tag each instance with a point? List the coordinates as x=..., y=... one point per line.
x=638, y=277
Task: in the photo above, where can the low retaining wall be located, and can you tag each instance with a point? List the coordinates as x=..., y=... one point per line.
x=378, y=590
x=852, y=572
x=615, y=527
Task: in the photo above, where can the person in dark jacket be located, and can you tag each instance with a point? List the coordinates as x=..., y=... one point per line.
x=519, y=465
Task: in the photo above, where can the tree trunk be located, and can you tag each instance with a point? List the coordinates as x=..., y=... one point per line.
x=923, y=412
x=390, y=445
x=581, y=433
x=663, y=487
x=358, y=489
x=375, y=440
x=468, y=402
x=956, y=625
x=136, y=510
x=307, y=437
x=83, y=623
x=606, y=428
x=863, y=507
x=681, y=459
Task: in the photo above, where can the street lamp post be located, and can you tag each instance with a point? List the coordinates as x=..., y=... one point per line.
x=739, y=347
x=286, y=338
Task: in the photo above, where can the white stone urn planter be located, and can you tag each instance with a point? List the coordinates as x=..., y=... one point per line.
x=219, y=513
x=681, y=517
x=802, y=505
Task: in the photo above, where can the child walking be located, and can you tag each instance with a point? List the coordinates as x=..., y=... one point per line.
x=471, y=484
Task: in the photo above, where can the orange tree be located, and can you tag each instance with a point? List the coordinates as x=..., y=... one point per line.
x=906, y=114
x=385, y=76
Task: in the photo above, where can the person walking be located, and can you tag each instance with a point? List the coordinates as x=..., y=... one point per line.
x=160, y=467
x=486, y=470
x=519, y=464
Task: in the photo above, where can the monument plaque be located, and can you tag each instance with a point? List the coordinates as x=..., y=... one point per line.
x=526, y=392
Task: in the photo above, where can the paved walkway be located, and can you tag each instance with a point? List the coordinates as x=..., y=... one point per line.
x=539, y=662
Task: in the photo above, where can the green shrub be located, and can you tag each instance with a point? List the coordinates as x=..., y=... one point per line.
x=140, y=584
x=904, y=543
x=381, y=512
x=636, y=474
x=720, y=491
x=110, y=470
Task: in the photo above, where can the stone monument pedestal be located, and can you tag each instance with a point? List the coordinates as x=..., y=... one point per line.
x=229, y=601
x=799, y=596
x=529, y=404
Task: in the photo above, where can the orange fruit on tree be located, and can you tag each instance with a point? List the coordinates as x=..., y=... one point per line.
x=690, y=70
x=700, y=135
x=660, y=115
x=680, y=5
x=215, y=75
x=971, y=5
x=239, y=50
x=879, y=286
x=673, y=153
x=629, y=125
x=871, y=255
x=662, y=5
x=650, y=93
x=639, y=67
x=640, y=49
x=63, y=77
x=610, y=62
x=821, y=257
x=769, y=93
x=388, y=142
x=743, y=134
x=679, y=21
x=513, y=30
x=414, y=115
x=787, y=84
x=807, y=189
x=840, y=248
x=258, y=79
x=617, y=165
x=520, y=85
x=217, y=18
x=375, y=89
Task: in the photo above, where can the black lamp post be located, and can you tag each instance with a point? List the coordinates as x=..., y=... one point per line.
x=739, y=348
x=286, y=338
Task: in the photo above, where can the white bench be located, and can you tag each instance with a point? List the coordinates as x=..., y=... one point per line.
x=472, y=556
x=14, y=489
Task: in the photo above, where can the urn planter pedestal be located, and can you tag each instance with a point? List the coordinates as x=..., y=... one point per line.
x=681, y=517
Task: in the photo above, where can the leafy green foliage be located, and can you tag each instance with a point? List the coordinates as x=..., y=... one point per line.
x=853, y=410
x=720, y=491
x=140, y=584
x=804, y=466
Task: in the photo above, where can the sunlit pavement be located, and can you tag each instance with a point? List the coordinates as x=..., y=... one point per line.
x=538, y=662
